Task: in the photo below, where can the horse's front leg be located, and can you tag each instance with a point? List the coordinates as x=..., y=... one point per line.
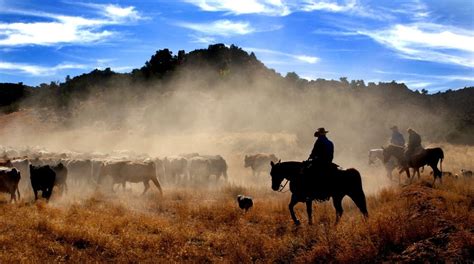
x=417, y=170
x=389, y=172
x=337, y=202
x=407, y=171
x=291, y=206
x=309, y=210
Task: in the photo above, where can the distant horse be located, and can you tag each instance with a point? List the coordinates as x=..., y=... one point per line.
x=429, y=156
x=377, y=154
x=341, y=183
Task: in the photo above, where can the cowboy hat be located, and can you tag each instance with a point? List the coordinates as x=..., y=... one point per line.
x=320, y=131
x=394, y=127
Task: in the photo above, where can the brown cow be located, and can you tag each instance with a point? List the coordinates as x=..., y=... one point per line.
x=9, y=179
x=259, y=162
x=176, y=169
x=199, y=169
x=127, y=171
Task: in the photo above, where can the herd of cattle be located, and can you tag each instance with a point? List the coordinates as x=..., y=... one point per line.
x=46, y=170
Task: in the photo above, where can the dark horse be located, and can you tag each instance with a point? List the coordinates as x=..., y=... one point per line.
x=429, y=156
x=342, y=183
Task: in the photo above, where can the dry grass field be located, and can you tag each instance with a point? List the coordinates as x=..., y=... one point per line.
x=411, y=223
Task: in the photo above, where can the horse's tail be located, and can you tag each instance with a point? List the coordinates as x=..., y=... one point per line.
x=441, y=156
x=356, y=191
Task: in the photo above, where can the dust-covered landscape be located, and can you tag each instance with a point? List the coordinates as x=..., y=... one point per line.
x=182, y=159
x=197, y=217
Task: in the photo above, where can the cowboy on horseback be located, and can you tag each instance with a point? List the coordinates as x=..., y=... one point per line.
x=319, y=163
x=414, y=144
x=323, y=150
x=397, y=137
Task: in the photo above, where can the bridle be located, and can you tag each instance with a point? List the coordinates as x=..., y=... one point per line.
x=283, y=187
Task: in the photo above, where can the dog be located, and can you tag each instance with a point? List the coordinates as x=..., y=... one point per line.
x=245, y=202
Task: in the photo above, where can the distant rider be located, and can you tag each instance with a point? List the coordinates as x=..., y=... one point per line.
x=397, y=137
x=414, y=144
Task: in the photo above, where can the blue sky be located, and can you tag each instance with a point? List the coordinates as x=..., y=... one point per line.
x=426, y=44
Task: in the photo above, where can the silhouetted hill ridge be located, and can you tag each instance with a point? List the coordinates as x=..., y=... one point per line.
x=219, y=65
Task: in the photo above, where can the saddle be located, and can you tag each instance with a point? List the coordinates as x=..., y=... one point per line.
x=318, y=181
x=415, y=154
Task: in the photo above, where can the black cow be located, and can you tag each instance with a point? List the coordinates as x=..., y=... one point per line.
x=9, y=179
x=42, y=179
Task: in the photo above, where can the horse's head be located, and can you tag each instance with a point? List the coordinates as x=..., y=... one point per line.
x=276, y=174
x=373, y=154
x=393, y=151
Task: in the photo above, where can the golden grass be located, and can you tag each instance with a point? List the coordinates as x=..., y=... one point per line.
x=414, y=223
x=206, y=225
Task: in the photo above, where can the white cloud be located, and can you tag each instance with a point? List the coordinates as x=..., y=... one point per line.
x=274, y=7
x=48, y=33
x=469, y=78
x=115, y=11
x=416, y=84
x=413, y=10
x=428, y=42
x=268, y=7
x=220, y=28
x=308, y=59
x=36, y=70
x=203, y=39
x=298, y=57
x=329, y=6
x=63, y=29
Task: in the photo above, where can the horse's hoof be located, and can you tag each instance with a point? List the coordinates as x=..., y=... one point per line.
x=310, y=223
x=297, y=223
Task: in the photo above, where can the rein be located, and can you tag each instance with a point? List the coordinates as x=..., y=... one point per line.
x=283, y=187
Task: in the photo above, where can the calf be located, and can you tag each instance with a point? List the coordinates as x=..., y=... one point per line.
x=9, y=179
x=42, y=179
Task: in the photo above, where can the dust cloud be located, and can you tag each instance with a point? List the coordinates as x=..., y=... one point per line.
x=229, y=117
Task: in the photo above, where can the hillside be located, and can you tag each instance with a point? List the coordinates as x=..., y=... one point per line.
x=223, y=72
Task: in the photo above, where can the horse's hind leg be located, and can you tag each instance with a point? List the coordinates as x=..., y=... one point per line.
x=291, y=206
x=337, y=201
x=309, y=210
x=359, y=200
